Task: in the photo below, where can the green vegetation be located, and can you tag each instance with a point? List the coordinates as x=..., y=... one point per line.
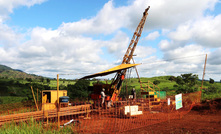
x=9, y=73
x=14, y=89
x=17, y=90
x=12, y=99
x=79, y=90
x=186, y=83
x=34, y=127
x=156, y=82
x=211, y=91
x=211, y=81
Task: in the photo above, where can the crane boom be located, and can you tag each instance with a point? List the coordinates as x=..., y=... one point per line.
x=133, y=43
x=119, y=77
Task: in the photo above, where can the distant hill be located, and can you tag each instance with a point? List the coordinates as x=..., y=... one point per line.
x=7, y=72
x=4, y=68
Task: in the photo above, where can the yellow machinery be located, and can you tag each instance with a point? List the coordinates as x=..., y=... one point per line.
x=49, y=98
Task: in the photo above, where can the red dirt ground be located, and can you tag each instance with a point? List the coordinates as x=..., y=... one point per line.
x=203, y=121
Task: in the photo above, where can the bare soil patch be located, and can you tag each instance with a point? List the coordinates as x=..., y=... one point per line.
x=203, y=119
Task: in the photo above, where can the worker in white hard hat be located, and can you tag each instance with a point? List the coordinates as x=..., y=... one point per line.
x=102, y=97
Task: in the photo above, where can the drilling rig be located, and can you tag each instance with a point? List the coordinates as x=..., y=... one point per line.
x=119, y=77
x=113, y=89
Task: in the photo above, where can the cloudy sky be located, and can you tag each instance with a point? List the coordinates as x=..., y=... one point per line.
x=76, y=38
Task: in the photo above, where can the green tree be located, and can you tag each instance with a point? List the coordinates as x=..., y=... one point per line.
x=29, y=79
x=48, y=80
x=156, y=82
x=172, y=78
x=79, y=89
x=211, y=81
x=186, y=83
x=180, y=81
x=42, y=79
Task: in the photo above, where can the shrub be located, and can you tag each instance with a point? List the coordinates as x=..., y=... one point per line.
x=211, y=89
x=79, y=90
x=211, y=81
x=1, y=101
x=172, y=78
x=156, y=82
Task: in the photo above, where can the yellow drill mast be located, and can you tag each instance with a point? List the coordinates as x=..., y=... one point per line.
x=119, y=77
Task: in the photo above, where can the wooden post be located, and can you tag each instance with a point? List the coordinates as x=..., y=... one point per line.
x=149, y=95
x=58, y=101
x=37, y=95
x=34, y=98
x=203, y=76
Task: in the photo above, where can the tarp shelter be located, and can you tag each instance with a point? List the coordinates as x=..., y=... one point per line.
x=112, y=70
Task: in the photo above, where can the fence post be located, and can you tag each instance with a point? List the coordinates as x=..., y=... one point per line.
x=149, y=95
x=34, y=98
x=58, y=101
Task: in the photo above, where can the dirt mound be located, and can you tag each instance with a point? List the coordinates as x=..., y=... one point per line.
x=208, y=106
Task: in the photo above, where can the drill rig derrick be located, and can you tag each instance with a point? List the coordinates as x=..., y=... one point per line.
x=119, y=77
x=113, y=89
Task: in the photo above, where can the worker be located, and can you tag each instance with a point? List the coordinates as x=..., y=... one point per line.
x=102, y=97
x=134, y=93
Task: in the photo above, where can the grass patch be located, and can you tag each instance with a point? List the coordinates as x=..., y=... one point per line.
x=33, y=127
x=12, y=99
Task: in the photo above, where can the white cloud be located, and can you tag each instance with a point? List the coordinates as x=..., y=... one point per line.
x=108, y=20
x=187, y=59
x=72, y=48
x=188, y=54
x=161, y=15
x=170, y=13
x=182, y=33
x=143, y=51
x=164, y=45
x=8, y=56
x=44, y=34
x=8, y=37
x=214, y=58
x=152, y=36
x=117, y=44
x=155, y=67
x=7, y=6
x=205, y=31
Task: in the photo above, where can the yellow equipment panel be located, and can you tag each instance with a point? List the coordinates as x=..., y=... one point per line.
x=50, y=96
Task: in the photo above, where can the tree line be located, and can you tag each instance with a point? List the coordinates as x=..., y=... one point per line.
x=185, y=83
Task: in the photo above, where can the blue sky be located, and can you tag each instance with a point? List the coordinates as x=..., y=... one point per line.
x=52, y=13
x=49, y=37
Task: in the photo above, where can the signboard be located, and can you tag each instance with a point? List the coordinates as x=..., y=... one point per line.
x=178, y=100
